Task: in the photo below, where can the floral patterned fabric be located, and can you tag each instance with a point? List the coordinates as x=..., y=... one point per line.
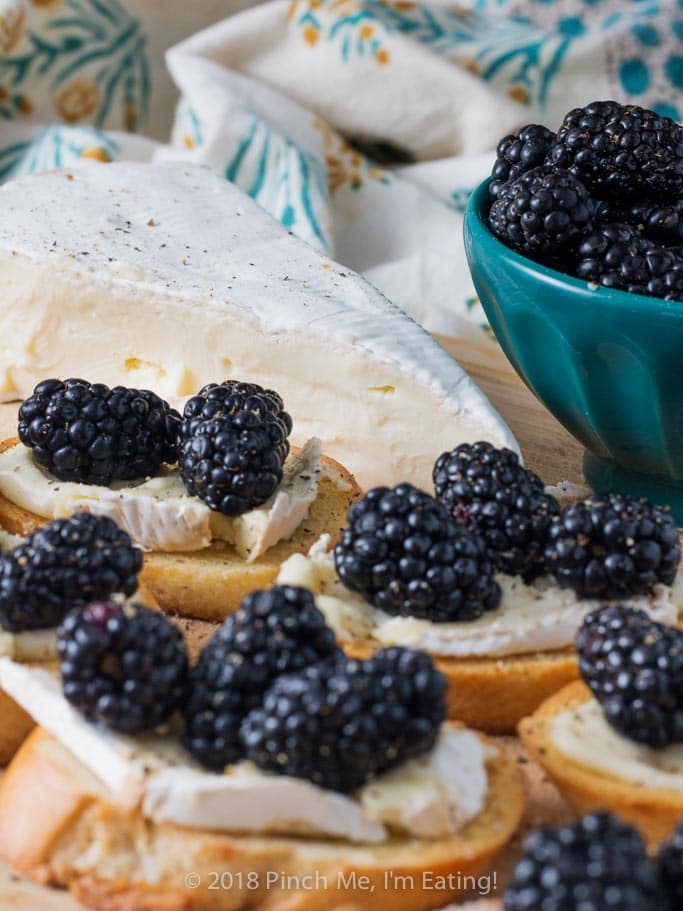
x=363, y=125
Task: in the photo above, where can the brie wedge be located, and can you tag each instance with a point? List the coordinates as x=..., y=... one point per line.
x=169, y=277
x=159, y=514
x=430, y=797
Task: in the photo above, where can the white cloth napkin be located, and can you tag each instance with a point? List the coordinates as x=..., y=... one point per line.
x=296, y=100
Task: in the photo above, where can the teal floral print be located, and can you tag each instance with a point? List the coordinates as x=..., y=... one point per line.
x=56, y=147
x=188, y=126
x=517, y=45
x=287, y=181
x=92, y=56
x=460, y=197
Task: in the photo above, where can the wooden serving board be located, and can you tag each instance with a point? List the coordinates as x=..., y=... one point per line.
x=548, y=448
x=549, y=451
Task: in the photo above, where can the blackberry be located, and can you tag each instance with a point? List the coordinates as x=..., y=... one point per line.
x=621, y=151
x=658, y=222
x=405, y=553
x=612, y=547
x=487, y=490
x=542, y=213
x=618, y=256
x=634, y=668
x=670, y=864
x=233, y=444
x=341, y=722
x=518, y=153
x=62, y=565
x=123, y=665
x=274, y=632
x=80, y=431
x=597, y=864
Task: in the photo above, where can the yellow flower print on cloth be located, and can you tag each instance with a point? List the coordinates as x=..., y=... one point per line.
x=87, y=57
x=12, y=24
x=346, y=167
x=344, y=22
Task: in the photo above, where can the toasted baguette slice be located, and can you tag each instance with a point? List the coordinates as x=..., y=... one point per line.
x=209, y=584
x=655, y=811
x=68, y=833
x=494, y=694
x=16, y=724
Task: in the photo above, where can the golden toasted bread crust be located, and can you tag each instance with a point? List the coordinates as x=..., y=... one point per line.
x=654, y=811
x=113, y=860
x=15, y=725
x=494, y=694
x=211, y=583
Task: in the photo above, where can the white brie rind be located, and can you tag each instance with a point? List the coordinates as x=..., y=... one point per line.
x=532, y=618
x=429, y=797
x=584, y=735
x=159, y=514
x=38, y=646
x=34, y=646
x=191, y=282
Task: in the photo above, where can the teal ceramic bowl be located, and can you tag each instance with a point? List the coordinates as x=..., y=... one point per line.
x=607, y=364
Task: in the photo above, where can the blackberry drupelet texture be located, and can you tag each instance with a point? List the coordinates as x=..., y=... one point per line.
x=233, y=444
x=597, y=864
x=123, y=665
x=617, y=255
x=658, y=221
x=342, y=722
x=542, y=213
x=670, y=864
x=634, y=668
x=85, y=432
x=406, y=554
x=518, y=153
x=274, y=632
x=612, y=547
x=62, y=565
x=488, y=491
x=621, y=151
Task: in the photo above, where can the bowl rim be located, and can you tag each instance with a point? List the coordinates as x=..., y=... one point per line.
x=479, y=229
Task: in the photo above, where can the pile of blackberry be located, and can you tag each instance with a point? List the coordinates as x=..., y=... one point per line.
x=612, y=547
x=89, y=433
x=62, y=565
x=488, y=491
x=233, y=444
x=273, y=686
x=123, y=665
x=406, y=554
x=601, y=199
x=634, y=668
x=597, y=864
x=274, y=632
x=341, y=722
x=670, y=865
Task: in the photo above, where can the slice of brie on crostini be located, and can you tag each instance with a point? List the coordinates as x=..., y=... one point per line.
x=426, y=798
x=538, y=617
x=159, y=514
